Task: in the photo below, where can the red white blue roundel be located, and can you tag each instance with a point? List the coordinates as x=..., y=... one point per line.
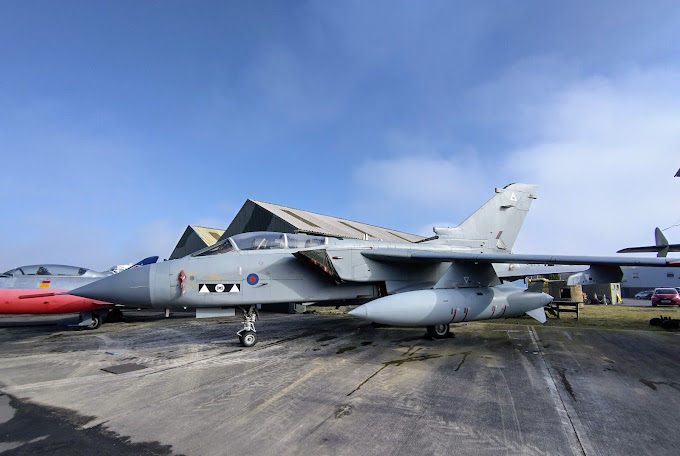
x=252, y=279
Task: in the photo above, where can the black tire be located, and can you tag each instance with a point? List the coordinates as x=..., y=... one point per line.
x=96, y=322
x=655, y=322
x=438, y=331
x=114, y=316
x=248, y=338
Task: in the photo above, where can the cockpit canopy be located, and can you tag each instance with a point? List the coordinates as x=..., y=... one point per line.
x=262, y=240
x=49, y=270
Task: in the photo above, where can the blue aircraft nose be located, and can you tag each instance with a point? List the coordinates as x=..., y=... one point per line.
x=130, y=288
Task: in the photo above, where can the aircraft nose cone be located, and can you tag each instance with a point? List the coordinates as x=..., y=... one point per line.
x=130, y=288
x=546, y=299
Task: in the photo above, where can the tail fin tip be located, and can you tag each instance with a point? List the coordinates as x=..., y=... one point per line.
x=497, y=222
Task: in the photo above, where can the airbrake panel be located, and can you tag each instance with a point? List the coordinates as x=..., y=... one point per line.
x=320, y=259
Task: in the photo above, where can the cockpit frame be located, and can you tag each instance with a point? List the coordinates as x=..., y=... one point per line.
x=262, y=240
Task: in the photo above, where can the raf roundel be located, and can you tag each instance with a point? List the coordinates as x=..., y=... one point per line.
x=252, y=279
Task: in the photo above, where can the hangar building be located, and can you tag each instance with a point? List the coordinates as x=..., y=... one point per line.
x=640, y=278
x=195, y=238
x=261, y=216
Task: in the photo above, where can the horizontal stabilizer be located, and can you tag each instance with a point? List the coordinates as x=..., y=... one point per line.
x=538, y=314
x=662, y=246
x=649, y=248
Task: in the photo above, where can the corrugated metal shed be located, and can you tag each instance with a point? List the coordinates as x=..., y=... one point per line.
x=209, y=235
x=195, y=238
x=261, y=216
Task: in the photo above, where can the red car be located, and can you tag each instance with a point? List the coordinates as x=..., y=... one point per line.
x=668, y=296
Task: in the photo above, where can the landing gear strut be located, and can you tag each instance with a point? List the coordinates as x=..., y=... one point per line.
x=439, y=331
x=90, y=320
x=248, y=336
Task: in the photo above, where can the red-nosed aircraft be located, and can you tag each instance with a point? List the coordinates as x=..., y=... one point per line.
x=42, y=289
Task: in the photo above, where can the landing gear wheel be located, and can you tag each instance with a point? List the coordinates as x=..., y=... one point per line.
x=439, y=331
x=96, y=322
x=248, y=338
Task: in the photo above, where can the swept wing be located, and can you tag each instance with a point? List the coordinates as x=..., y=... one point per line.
x=401, y=256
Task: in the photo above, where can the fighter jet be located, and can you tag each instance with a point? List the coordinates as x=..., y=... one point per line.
x=39, y=289
x=448, y=278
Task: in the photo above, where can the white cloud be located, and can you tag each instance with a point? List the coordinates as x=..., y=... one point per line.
x=606, y=159
x=602, y=150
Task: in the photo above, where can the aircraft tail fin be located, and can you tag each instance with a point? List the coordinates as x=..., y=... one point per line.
x=662, y=246
x=496, y=224
x=661, y=243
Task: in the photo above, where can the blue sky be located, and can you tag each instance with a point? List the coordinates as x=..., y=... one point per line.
x=123, y=122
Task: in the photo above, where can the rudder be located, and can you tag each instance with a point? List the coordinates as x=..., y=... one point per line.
x=494, y=226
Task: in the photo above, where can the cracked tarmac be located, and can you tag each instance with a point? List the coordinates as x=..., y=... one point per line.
x=318, y=384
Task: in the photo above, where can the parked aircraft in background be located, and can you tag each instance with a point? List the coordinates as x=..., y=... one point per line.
x=446, y=279
x=662, y=246
x=38, y=289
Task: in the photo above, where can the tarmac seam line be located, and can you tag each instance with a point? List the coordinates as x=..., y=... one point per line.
x=574, y=429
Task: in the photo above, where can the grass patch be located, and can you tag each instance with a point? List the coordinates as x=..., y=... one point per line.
x=590, y=316
x=609, y=317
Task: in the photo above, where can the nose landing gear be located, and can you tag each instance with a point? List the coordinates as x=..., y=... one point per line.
x=248, y=336
x=90, y=320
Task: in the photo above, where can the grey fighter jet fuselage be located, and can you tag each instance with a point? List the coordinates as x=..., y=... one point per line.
x=447, y=279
